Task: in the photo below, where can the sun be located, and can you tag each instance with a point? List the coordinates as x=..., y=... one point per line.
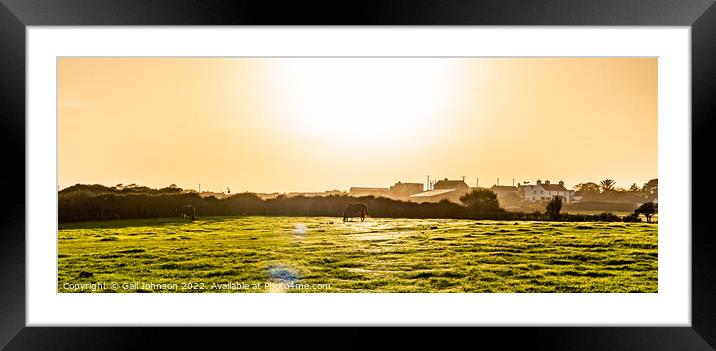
x=378, y=100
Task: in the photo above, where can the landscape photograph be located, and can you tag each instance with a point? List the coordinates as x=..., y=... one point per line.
x=357, y=175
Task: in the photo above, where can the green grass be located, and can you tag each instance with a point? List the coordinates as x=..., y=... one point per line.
x=655, y=218
x=320, y=254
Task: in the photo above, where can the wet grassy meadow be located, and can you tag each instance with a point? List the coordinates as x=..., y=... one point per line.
x=325, y=254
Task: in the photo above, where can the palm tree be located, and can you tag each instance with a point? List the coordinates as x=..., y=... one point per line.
x=607, y=184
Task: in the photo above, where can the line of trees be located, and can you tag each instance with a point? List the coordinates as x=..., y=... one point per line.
x=647, y=209
x=606, y=190
x=96, y=202
x=83, y=206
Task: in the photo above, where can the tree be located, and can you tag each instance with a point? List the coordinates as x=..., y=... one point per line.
x=607, y=184
x=554, y=206
x=651, y=188
x=634, y=217
x=482, y=200
x=647, y=209
x=587, y=188
x=633, y=187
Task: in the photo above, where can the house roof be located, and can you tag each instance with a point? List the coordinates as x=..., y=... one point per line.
x=357, y=188
x=504, y=188
x=431, y=193
x=554, y=187
x=407, y=187
x=449, y=183
x=406, y=184
x=548, y=187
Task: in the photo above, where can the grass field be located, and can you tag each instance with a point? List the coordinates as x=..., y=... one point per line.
x=319, y=254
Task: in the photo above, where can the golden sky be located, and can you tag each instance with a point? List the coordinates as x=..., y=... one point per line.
x=314, y=124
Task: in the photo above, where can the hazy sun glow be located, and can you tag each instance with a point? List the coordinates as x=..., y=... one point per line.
x=372, y=101
x=314, y=124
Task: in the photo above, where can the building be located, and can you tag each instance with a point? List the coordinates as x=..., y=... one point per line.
x=436, y=196
x=362, y=191
x=458, y=185
x=445, y=189
x=398, y=191
x=314, y=194
x=403, y=190
x=508, y=196
x=504, y=190
x=545, y=192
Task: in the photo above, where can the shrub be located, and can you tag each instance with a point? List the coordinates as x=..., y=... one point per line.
x=553, y=207
x=634, y=217
x=607, y=217
x=481, y=200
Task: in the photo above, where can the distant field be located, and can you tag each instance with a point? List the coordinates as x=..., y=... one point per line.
x=320, y=254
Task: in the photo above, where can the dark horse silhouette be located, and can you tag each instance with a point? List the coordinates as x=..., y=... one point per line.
x=355, y=210
x=188, y=212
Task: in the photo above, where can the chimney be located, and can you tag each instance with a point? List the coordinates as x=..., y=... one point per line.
x=546, y=182
x=561, y=183
x=539, y=182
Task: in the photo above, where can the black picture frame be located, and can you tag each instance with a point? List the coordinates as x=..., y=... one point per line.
x=16, y=15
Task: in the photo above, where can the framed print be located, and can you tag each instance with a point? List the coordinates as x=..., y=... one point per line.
x=423, y=164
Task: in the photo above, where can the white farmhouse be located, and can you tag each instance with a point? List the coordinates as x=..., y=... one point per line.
x=546, y=191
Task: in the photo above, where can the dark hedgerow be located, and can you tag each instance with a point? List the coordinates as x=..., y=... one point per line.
x=102, y=203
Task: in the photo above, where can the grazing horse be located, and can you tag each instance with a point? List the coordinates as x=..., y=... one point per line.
x=188, y=212
x=355, y=210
